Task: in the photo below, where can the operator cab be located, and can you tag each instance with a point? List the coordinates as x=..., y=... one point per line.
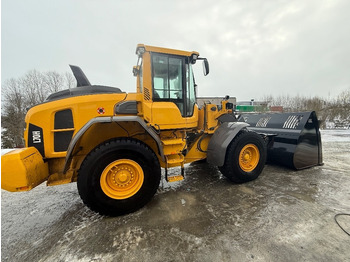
x=172, y=83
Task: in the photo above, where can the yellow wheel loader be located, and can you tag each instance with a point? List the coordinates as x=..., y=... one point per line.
x=114, y=144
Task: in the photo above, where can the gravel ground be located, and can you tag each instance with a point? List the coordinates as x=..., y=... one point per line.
x=284, y=215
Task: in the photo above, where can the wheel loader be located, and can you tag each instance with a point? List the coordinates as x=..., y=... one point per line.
x=115, y=144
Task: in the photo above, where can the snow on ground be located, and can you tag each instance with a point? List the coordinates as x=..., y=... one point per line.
x=6, y=150
x=335, y=135
x=281, y=215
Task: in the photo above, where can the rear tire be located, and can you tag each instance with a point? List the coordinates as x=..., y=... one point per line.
x=245, y=157
x=118, y=177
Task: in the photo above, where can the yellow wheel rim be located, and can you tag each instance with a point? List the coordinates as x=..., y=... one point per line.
x=249, y=157
x=122, y=179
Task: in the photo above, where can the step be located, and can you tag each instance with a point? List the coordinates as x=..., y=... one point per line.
x=174, y=160
x=173, y=146
x=175, y=178
x=168, y=142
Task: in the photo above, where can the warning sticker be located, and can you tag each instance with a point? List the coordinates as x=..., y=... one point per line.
x=101, y=110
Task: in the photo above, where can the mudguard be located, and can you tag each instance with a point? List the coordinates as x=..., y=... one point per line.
x=72, y=146
x=221, y=139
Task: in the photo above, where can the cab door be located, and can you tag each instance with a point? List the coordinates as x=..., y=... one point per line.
x=174, y=102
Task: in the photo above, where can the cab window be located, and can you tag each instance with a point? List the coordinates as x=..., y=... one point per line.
x=173, y=82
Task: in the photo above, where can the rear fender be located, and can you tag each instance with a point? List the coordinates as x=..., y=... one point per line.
x=74, y=148
x=221, y=139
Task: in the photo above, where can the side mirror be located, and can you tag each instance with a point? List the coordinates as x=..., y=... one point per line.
x=135, y=70
x=205, y=67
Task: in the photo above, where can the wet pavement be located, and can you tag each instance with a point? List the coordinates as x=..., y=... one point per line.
x=284, y=215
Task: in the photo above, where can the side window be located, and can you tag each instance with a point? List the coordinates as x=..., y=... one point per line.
x=160, y=65
x=175, y=78
x=168, y=80
x=191, y=92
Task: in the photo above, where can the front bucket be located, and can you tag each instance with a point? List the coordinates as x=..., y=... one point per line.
x=296, y=139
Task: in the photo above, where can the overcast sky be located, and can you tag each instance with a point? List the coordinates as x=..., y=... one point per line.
x=254, y=48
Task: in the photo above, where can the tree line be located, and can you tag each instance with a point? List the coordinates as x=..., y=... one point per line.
x=334, y=112
x=20, y=94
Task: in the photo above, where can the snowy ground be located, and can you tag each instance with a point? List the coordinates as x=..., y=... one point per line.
x=335, y=135
x=4, y=151
x=284, y=215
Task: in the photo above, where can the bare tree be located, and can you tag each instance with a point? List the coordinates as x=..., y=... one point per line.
x=13, y=113
x=22, y=93
x=341, y=109
x=53, y=81
x=333, y=110
x=33, y=86
x=69, y=80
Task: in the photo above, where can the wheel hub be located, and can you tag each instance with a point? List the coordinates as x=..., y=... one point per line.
x=249, y=157
x=122, y=179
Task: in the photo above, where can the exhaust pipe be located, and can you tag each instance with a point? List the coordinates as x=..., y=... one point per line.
x=295, y=139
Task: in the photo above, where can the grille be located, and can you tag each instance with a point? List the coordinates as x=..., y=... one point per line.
x=147, y=95
x=263, y=121
x=292, y=121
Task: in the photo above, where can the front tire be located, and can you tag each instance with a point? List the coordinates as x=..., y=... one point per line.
x=118, y=177
x=245, y=157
